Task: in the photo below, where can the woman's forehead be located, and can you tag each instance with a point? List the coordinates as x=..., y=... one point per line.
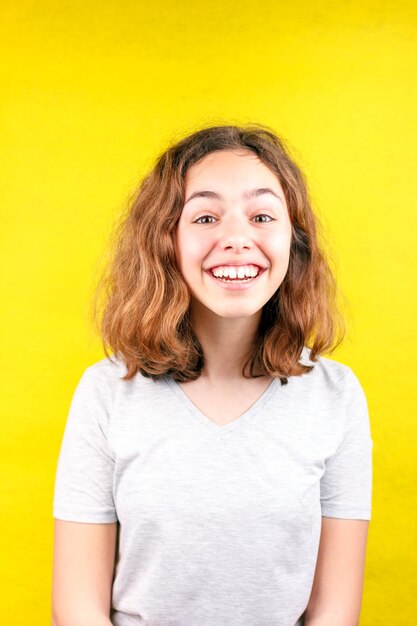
x=235, y=167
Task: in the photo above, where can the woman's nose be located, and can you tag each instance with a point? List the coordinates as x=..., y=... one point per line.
x=235, y=234
x=236, y=242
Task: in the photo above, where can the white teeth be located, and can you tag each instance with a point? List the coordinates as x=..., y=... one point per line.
x=248, y=271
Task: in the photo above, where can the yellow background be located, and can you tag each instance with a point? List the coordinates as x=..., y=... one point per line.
x=91, y=93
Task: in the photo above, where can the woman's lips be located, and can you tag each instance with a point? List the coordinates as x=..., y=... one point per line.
x=236, y=284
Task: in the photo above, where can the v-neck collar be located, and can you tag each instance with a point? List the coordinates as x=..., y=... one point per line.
x=206, y=421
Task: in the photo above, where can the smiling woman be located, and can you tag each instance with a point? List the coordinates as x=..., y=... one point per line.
x=227, y=170
x=230, y=460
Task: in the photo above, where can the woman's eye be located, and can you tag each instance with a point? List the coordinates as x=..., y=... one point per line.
x=202, y=217
x=270, y=219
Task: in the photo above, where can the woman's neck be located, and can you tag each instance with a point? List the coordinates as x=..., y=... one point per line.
x=226, y=343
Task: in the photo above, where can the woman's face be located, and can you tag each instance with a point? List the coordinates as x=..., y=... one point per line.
x=235, y=219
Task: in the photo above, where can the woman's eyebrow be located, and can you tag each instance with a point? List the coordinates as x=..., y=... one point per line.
x=246, y=195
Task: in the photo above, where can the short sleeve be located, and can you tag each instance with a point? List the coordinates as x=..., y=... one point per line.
x=84, y=475
x=346, y=485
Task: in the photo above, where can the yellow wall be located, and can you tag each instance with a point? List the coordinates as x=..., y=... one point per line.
x=92, y=91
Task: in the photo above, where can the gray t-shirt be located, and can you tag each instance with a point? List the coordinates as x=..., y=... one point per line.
x=217, y=525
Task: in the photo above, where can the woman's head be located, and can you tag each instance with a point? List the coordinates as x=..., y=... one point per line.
x=234, y=217
x=160, y=254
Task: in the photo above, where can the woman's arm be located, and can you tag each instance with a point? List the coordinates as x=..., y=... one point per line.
x=336, y=596
x=83, y=565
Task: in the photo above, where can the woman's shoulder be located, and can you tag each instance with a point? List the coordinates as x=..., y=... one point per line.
x=110, y=368
x=108, y=374
x=98, y=383
x=329, y=372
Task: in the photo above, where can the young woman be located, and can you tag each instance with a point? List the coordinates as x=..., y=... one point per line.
x=216, y=470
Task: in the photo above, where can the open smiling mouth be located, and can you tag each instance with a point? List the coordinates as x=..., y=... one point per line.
x=236, y=283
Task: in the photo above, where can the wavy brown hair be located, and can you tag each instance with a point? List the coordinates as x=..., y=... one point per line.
x=141, y=304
